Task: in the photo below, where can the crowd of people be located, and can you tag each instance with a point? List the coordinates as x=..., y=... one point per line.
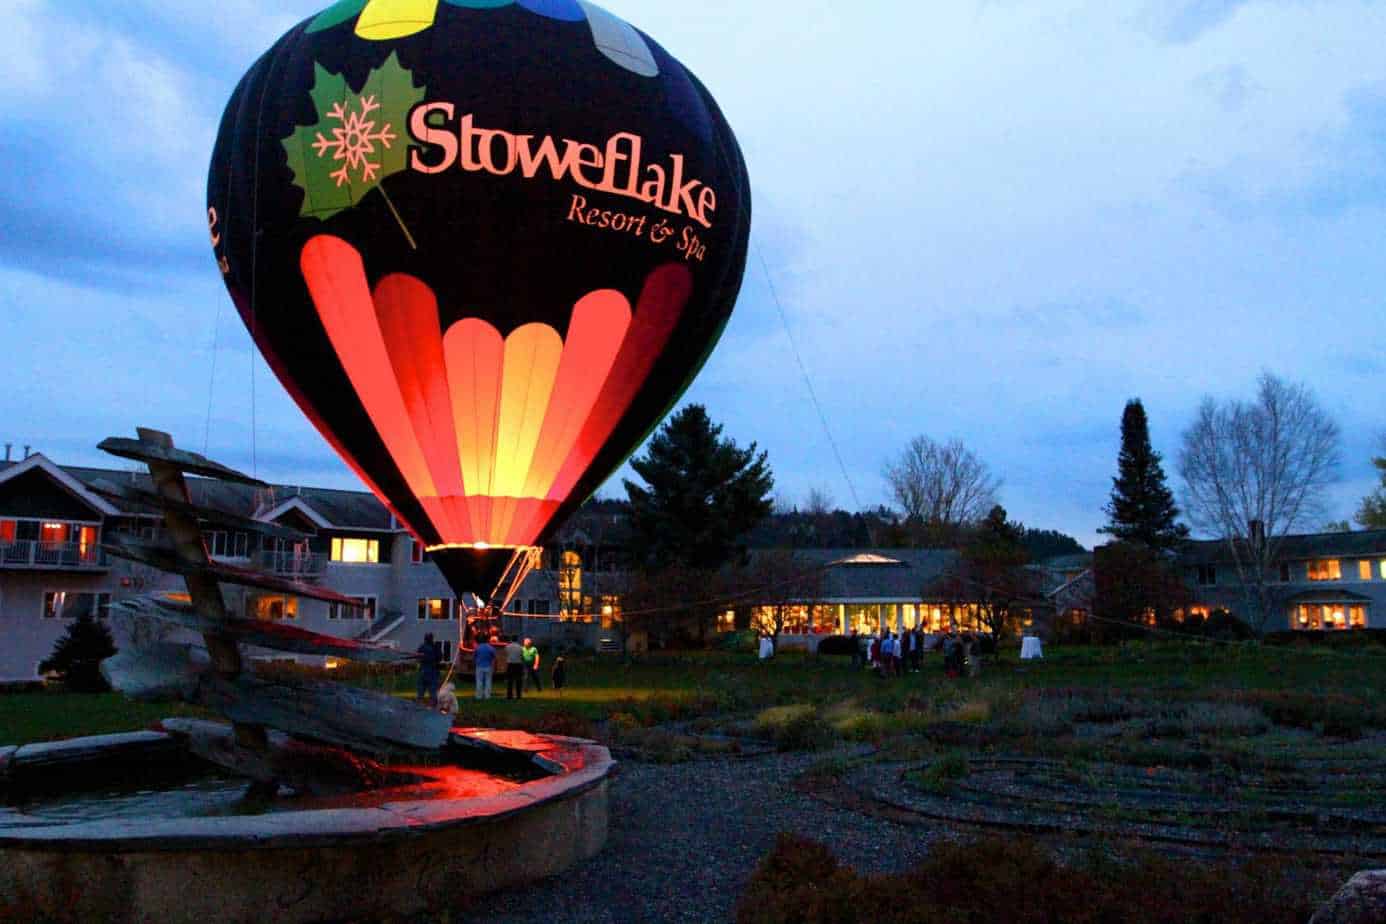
x=518, y=662
x=893, y=654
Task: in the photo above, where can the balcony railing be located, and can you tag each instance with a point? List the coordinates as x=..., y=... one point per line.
x=292, y=564
x=68, y=556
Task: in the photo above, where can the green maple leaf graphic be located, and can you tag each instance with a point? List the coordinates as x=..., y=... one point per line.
x=358, y=140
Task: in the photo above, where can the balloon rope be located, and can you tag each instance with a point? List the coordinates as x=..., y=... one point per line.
x=212, y=378
x=394, y=211
x=808, y=382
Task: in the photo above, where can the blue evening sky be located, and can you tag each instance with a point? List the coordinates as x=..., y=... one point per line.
x=995, y=220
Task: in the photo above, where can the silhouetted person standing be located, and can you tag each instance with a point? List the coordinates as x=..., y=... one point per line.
x=514, y=670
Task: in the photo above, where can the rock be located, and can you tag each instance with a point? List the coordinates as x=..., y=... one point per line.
x=1361, y=901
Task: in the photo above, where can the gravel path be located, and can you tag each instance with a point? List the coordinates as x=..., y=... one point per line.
x=685, y=838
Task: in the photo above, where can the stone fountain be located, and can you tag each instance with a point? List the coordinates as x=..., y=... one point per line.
x=314, y=801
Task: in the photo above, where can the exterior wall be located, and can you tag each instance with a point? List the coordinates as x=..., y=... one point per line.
x=1226, y=592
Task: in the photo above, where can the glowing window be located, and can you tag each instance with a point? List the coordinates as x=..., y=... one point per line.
x=726, y=621
x=356, y=551
x=435, y=608
x=1357, y=616
x=1325, y=569
x=275, y=609
x=1364, y=570
x=54, y=533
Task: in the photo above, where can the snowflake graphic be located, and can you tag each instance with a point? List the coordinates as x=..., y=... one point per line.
x=353, y=141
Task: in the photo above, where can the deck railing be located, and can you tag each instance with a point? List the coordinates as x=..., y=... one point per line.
x=32, y=553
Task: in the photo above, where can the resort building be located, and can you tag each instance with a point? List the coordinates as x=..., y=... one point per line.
x=840, y=591
x=1320, y=582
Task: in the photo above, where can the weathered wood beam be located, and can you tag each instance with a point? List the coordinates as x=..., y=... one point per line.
x=324, y=711
x=305, y=767
x=151, y=450
x=163, y=672
x=262, y=634
x=130, y=494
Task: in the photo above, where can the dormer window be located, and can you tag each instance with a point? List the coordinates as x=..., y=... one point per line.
x=1207, y=575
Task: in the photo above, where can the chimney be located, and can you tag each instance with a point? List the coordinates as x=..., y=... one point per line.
x=26, y=451
x=8, y=447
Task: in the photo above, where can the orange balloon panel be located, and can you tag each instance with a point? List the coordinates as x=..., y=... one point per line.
x=490, y=433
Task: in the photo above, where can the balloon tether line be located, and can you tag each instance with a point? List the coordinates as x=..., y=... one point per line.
x=808, y=382
x=395, y=212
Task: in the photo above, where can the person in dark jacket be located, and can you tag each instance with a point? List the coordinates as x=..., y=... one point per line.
x=560, y=674
x=514, y=670
x=429, y=656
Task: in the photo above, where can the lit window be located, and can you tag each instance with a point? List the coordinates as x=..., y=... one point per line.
x=416, y=552
x=570, y=583
x=54, y=533
x=611, y=610
x=1364, y=570
x=1325, y=569
x=726, y=621
x=86, y=542
x=435, y=608
x=356, y=551
x=53, y=604
x=1357, y=616
x=275, y=609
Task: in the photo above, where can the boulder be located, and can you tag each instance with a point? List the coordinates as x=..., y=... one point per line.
x=1361, y=901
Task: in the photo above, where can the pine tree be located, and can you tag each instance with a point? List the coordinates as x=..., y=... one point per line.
x=1372, y=513
x=78, y=653
x=1142, y=507
x=702, y=494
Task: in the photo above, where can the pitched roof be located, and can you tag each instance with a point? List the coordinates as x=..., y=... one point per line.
x=873, y=574
x=74, y=486
x=337, y=509
x=1360, y=544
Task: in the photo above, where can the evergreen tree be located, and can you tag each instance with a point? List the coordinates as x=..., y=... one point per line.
x=78, y=653
x=1372, y=513
x=1142, y=507
x=702, y=494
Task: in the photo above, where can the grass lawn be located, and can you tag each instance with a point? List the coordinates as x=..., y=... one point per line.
x=662, y=687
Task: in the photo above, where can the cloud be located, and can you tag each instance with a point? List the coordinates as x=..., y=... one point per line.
x=1231, y=87
x=1180, y=22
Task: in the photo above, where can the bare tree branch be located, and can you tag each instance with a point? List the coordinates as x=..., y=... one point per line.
x=942, y=486
x=1267, y=461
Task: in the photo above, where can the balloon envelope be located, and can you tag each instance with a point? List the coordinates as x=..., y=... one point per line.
x=485, y=245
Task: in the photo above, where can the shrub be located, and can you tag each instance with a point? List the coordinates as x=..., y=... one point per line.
x=940, y=775
x=1331, y=714
x=805, y=732
x=837, y=645
x=78, y=653
x=1017, y=881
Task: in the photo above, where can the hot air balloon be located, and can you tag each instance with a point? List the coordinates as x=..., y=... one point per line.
x=484, y=245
